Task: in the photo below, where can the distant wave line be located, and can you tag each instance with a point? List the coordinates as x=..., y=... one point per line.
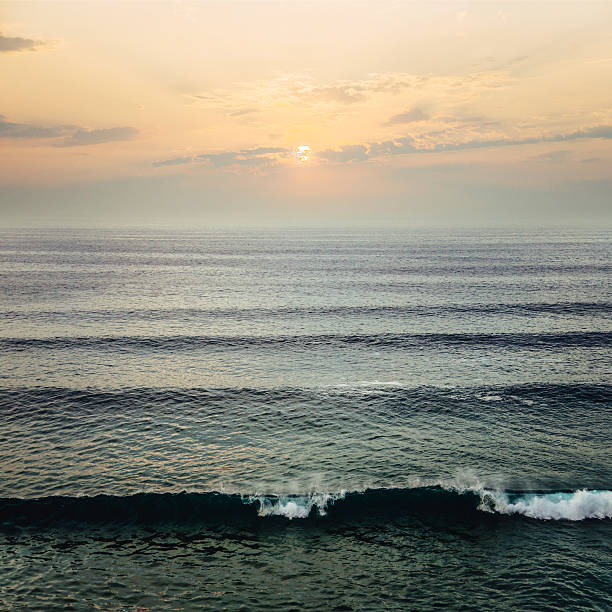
x=386, y=340
x=23, y=402
x=420, y=265
x=567, y=308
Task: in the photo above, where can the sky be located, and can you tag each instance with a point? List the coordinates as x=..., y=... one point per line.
x=383, y=113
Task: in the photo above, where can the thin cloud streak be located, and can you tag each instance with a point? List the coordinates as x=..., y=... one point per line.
x=85, y=137
x=15, y=44
x=408, y=144
x=410, y=116
x=10, y=129
x=258, y=156
x=73, y=135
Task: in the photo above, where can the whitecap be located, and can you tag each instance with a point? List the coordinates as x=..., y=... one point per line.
x=295, y=506
x=575, y=506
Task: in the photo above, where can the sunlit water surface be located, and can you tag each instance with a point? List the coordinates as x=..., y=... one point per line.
x=305, y=420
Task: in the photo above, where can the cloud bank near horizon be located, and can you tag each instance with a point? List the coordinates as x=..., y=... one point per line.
x=408, y=144
x=361, y=152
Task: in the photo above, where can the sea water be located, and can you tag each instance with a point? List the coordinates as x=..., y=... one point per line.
x=305, y=419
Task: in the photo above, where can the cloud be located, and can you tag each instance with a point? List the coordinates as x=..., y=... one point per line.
x=410, y=116
x=408, y=144
x=175, y=161
x=363, y=152
x=85, y=137
x=267, y=102
x=304, y=91
x=243, y=111
x=600, y=131
x=10, y=44
x=73, y=134
x=295, y=90
x=258, y=156
x=245, y=157
x=9, y=129
x=219, y=160
x=551, y=156
x=264, y=151
x=349, y=153
x=360, y=152
x=343, y=94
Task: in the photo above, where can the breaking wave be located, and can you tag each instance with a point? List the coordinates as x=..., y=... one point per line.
x=425, y=503
x=295, y=506
x=569, y=506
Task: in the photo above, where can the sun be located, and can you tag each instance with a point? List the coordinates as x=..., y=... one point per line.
x=302, y=152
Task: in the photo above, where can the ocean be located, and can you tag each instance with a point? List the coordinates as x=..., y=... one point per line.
x=305, y=419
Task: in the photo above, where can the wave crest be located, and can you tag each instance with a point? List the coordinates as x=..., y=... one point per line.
x=298, y=506
x=437, y=503
x=572, y=506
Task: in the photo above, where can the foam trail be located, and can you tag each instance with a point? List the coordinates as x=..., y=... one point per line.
x=576, y=506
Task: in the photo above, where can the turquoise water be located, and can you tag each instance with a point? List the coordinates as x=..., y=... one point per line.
x=305, y=420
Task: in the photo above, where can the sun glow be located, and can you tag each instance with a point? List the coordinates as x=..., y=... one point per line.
x=302, y=152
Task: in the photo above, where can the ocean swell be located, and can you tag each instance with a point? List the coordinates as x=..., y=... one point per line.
x=384, y=340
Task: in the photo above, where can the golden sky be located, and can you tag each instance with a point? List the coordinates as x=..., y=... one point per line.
x=300, y=110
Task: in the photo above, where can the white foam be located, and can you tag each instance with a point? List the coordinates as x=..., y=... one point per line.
x=295, y=507
x=576, y=506
x=570, y=506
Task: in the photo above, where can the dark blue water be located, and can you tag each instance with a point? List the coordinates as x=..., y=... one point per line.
x=305, y=420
